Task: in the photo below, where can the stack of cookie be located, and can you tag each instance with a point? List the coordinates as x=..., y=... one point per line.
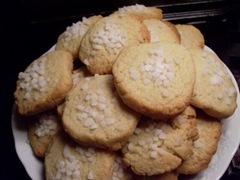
x=146, y=102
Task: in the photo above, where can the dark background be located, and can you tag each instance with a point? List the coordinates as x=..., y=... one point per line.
x=28, y=28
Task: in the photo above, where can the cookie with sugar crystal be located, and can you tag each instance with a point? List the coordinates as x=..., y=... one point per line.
x=41, y=130
x=172, y=175
x=95, y=115
x=162, y=31
x=141, y=11
x=158, y=146
x=105, y=40
x=121, y=171
x=70, y=39
x=44, y=83
x=214, y=91
x=77, y=74
x=204, y=147
x=65, y=159
x=191, y=37
x=159, y=82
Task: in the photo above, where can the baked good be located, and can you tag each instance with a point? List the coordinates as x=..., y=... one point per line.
x=204, y=147
x=158, y=146
x=172, y=175
x=70, y=39
x=95, y=115
x=141, y=11
x=214, y=90
x=41, y=130
x=159, y=82
x=191, y=37
x=66, y=159
x=45, y=83
x=120, y=171
x=162, y=31
x=105, y=39
x=79, y=73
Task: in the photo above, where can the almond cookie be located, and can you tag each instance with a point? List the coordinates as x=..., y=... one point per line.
x=141, y=11
x=105, y=39
x=162, y=31
x=204, y=148
x=70, y=39
x=191, y=37
x=41, y=130
x=95, y=115
x=159, y=81
x=214, y=91
x=157, y=147
x=65, y=159
x=45, y=83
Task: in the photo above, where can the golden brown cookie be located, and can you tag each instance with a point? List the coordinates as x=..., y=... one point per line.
x=41, y=130
x=67, y=160
x=172, y=175
x=214, y=91
x=45, y=83
x=95, y=115
x=70, y=39
x=204, y=148
x=191, y=37
x=105, y=40
x=162, y=31
x=157, y=147
x=141, y=11
x=159, y=81
x=80, y=73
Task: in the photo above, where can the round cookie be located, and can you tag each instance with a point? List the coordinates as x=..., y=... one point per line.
x=70, y=39
x=162, y=31
x=157, y=147
x=105, y=39
x=65, y=159
x=204, y=148
x=191, y=37
x=95, y=115
x=45, y=83
x=120, y=171
x=159, y=82
x=41, y=130
x=77, y=74
x=141, y=11
x=214, y=91
x=80, y=73
x=172, y=175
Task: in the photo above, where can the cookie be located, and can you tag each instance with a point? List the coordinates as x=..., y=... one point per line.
x=157, y=147
x=173, y=175
x=205, y=146
x=80, y=73
x=162, y=31
x=160, y=80
x=214, y=91
x=141, y=11
x=45, y=83
x=191, y=37
x=95, y=115
x=105, y=40
x=41, y=130
x=77, y=74
x=120, y=171
x=65, y=159
x=70, y=39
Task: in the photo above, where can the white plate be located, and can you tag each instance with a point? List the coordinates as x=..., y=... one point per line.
x=227, y=146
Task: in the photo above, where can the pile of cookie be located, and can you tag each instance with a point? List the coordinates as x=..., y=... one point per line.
x=146, y=103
